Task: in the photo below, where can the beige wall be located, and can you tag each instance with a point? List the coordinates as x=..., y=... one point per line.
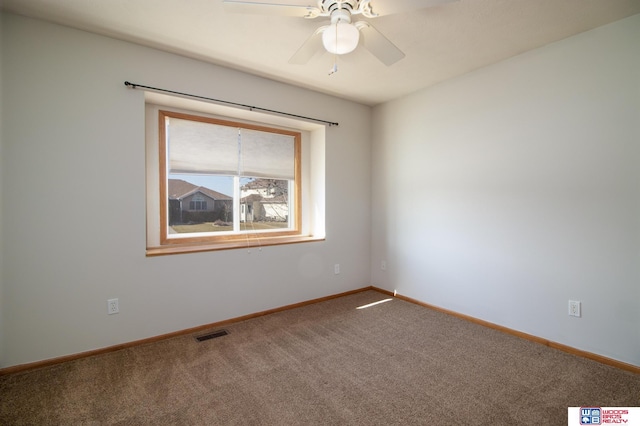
x=507, y=192
x=71, y=127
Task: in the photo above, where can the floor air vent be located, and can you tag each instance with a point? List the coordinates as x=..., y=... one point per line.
x=212, y=335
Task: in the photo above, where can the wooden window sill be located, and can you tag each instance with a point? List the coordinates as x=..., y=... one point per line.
x=228, y=245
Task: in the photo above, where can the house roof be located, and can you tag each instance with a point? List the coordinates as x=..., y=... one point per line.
x=251, y=198
x=179, y=189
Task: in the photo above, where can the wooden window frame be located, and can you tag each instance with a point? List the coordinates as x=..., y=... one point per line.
x=227, y=241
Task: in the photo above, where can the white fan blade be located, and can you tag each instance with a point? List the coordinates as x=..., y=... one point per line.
x=252, y=7
x=390, y=7
x=309, y=48
x=379, y=45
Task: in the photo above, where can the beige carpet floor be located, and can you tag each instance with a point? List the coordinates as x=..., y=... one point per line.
x=394, y=363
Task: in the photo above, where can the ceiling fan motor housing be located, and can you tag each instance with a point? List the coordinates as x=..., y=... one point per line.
x=340, y=15
x=332, y=5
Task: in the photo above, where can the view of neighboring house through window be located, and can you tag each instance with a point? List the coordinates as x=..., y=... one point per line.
x=223, y=180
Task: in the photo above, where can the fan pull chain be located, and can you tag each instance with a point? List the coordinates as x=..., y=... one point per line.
x=334, y=68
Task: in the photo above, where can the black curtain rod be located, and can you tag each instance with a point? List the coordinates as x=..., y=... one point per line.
x=249, y=107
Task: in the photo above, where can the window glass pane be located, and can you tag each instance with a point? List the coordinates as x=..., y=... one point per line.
x=265, y=203
x=225, y=179
x=200, y=204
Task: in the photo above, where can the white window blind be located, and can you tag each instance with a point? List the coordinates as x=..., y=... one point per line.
x=205, y=148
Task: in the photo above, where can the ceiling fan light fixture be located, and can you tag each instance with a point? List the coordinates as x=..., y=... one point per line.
x=340, y=38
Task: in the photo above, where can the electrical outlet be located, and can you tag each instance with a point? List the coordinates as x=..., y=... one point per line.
x=336, y=268
x=112, y=306
x=574, y=308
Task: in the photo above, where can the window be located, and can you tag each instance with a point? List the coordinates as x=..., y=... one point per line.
x=262, y=208
x=197, y=205
x=223, y=181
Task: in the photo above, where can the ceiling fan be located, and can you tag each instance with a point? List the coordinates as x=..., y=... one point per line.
x=342, y=35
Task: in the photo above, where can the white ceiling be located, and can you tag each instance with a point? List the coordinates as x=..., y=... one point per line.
x=440, y=42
